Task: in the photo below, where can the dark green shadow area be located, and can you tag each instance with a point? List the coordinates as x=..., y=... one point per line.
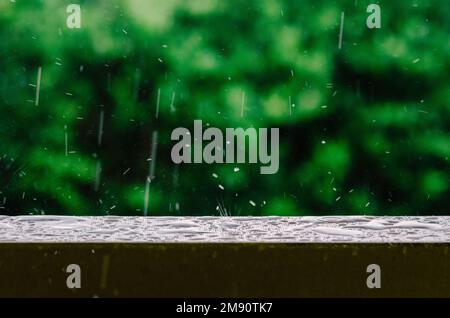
x=224, y=270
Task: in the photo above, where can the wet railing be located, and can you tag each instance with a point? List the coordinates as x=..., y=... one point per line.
x=225, y=256
x=225, y=229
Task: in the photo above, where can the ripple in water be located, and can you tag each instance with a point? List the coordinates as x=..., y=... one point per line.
x=224, y=229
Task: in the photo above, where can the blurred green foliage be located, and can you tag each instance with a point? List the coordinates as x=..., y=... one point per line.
x=364, y=129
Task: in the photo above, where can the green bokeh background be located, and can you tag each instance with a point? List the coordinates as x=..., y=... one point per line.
x=366, y=131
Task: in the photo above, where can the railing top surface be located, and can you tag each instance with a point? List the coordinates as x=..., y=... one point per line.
x=327, y=229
